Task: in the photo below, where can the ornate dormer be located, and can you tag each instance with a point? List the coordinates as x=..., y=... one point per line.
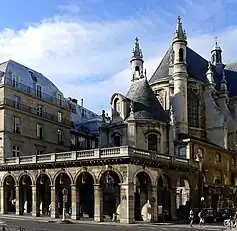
x=136, y=61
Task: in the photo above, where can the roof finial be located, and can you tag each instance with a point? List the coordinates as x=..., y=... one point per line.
x=179, y=19
x=145, y=73
x=137, y=52
x=216, y=40
x=179, y=34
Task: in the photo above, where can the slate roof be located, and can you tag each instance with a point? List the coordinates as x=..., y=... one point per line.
x=197, y=67
x=11, y=67
x=146, y=105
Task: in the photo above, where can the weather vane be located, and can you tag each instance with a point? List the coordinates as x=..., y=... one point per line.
x=216, y=40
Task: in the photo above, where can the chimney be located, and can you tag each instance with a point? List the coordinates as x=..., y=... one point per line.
x=74, y=101
x=82, y=102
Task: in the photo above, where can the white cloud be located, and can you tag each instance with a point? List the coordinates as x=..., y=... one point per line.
x=72, y=51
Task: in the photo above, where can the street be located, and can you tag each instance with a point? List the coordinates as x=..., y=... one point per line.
x=34, y=225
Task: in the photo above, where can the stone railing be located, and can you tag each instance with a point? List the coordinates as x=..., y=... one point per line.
x=102, y=153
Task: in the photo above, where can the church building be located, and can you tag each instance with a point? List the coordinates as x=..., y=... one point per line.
x=169, y=146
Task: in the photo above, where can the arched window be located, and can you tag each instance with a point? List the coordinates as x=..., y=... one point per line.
x=117, y=107
x=181, y=54
x=117, y=140
x=193, y=112
x=153, y=142
x=137, y=71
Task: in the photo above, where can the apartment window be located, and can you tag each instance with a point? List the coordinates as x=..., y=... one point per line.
x=39, y=152
x=17, y=124
x=60, y=117
x=218, y=158
x=39, y=131
x=40, y=110
x=17, y=101
x=59, y=99
x=182, y=151
x=15, y=151
x=15, y=80
x=39, y=91
x=83, y=113
x=233, y=161
x=60, y=136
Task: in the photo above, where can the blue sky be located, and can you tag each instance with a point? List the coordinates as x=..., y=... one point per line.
x=84, y=46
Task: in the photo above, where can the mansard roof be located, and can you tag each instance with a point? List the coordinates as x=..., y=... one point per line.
x=197, y=67
x=146, y=105
x=28, y=76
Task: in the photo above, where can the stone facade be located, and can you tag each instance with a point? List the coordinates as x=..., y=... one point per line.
x=31, y=124
x=94, y=190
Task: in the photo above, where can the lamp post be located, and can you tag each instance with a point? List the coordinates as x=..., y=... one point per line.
x=199, y=159
x=65, y=197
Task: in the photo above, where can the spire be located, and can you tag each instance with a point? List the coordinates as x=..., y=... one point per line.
x=137, y=52
x=210, y=74
x=216, y=57
x=223, y=85
x=216, y=47
x=137, y=61
x=179, y=33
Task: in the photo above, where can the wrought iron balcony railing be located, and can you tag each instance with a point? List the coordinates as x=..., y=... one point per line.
x=34, y=111
x=33, y=91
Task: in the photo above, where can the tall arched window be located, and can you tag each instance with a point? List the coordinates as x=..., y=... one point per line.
x=193, y=112
x=117, y=106
x=117, y=140
x=181, y=54
x=153, y=142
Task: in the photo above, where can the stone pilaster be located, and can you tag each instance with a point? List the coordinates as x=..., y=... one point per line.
x=75, y=203
x=98, y=201
x=54, y=211
x=34, y=201
x=17, y=200
x=127, y=203
x=173, y=203
x=2, y=200
x=154, y=204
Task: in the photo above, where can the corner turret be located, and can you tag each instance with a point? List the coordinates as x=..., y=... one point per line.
x=136, y=61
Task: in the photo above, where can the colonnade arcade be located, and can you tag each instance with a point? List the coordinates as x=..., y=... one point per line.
x=88, y=197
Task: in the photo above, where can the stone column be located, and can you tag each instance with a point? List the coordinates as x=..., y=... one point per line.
x=127, y=203
x=98, y=203
x=2, y=200
x=17, y=200
x=75, y=203
x=154, y=203
x=173, y=203
x=54, y=211
x=34, y=201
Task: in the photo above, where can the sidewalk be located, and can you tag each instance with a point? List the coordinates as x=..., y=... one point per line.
x=57, y=220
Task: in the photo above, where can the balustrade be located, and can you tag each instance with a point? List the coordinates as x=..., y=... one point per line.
x=103, y=153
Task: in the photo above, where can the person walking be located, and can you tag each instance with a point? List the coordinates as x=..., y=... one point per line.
x=201, y=218
x=191, y=217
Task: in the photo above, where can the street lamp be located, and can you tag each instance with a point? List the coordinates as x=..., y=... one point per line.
x=199, y=159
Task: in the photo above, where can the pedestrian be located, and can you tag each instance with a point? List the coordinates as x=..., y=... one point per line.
x=201, y=218
x=191, y=217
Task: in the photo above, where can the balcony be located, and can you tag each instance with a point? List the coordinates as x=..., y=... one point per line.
x=102, y=153
x=33, y=92
x=34, y=111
